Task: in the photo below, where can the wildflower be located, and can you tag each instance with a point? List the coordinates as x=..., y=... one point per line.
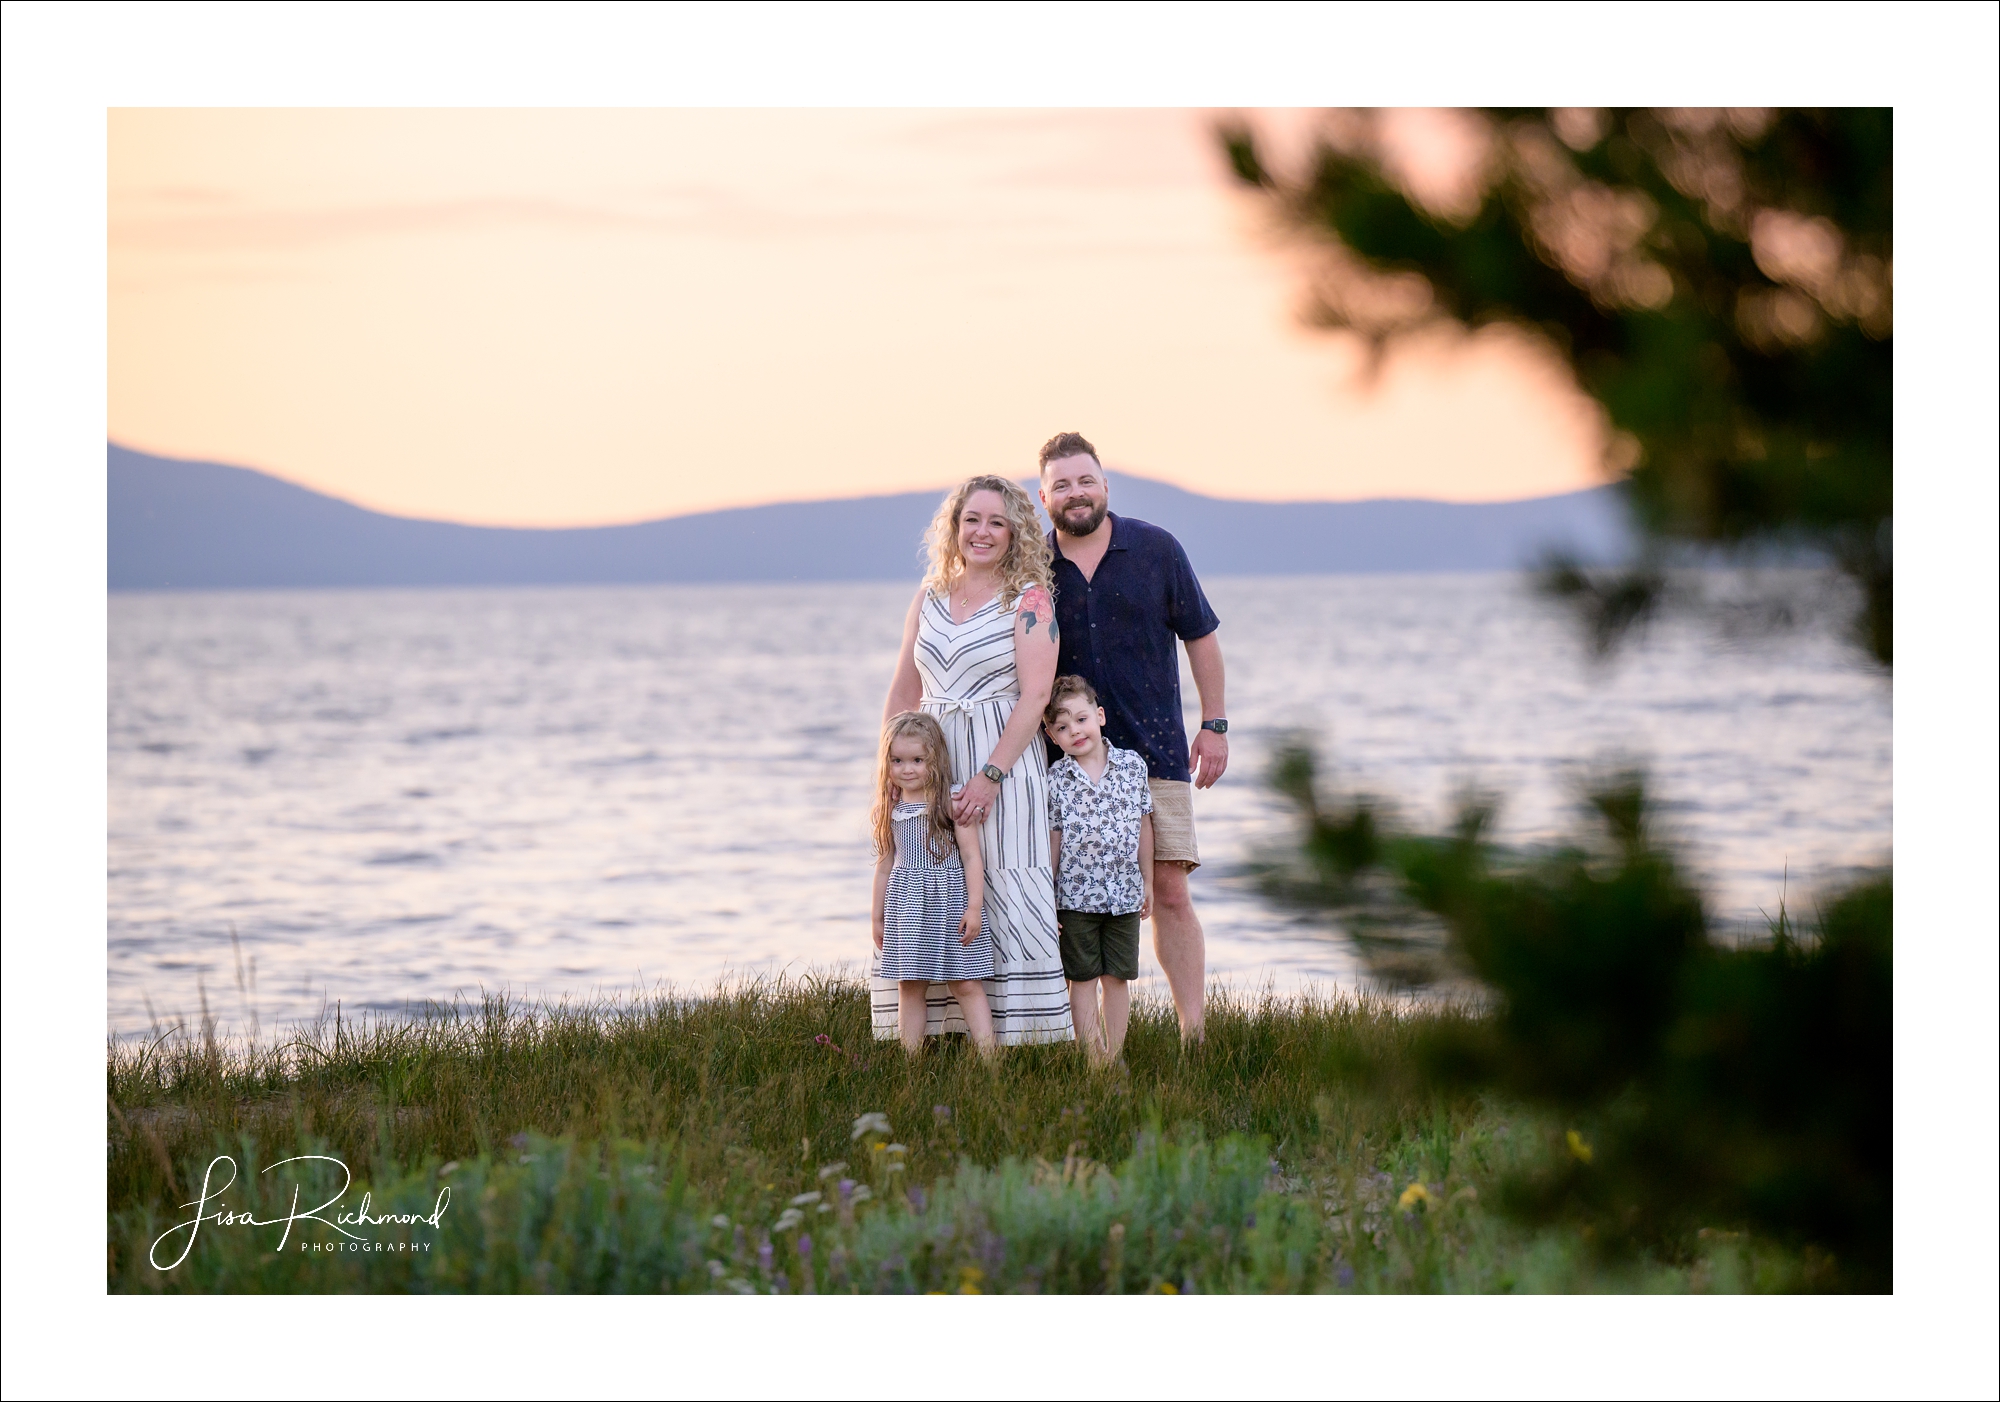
x=862, y=1192
x=716, y=1270
x=764, y=1255
x=520, y=1141
x=1167, y=1287
x=845, y=1187
x=968, y=1280
x=874, y=1122
x=1579, y=1147
x=919, y=1199
x=805, y=1244
x=720, y=1221
x=824, y=1207
x=895, y=1168
x=448, y=1169
x=1412, y=1195
x=828, y=1170
x=804, y=1199
x=787, y=1220
x=896, y=1149
x=941, y=1112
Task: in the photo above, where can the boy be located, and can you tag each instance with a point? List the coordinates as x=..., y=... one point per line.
x=1101, y=841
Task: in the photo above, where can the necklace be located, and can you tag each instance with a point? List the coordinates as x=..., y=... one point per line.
x=964, y=599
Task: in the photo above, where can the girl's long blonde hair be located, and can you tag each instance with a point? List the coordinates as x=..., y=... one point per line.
x=1027, y=563
x=921, y=726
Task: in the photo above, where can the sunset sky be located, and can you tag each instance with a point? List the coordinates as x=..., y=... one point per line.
x=569, y=317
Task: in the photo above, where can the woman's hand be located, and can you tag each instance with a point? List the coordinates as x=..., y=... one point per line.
x=975, y=801
x=968, y=924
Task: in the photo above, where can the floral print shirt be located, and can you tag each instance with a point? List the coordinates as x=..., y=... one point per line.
x=1099, y=824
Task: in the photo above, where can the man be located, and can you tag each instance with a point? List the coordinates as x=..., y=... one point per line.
x=1124, y=593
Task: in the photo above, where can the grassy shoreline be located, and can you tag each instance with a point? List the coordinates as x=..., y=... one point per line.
x=675, y=1144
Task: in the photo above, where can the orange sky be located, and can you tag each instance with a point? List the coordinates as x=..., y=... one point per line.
x=562, y=317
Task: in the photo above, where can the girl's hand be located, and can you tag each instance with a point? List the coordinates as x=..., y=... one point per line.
x=878, y=936
x=968, y=925
x=1145, y=908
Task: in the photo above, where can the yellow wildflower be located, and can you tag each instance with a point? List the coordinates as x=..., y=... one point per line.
x=968, y=1280
x=1579, y=1147
x=1412, y=1195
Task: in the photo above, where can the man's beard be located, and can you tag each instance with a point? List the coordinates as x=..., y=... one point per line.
x=1065, y=522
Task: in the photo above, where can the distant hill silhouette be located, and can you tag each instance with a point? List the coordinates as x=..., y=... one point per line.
x=175, y=524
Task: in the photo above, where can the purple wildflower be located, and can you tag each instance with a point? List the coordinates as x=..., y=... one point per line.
x=846, y=1187
x=805, y=1244
x=764, y=1255
x=1345, y=1275
x=918, y=1199
x=943, y=1112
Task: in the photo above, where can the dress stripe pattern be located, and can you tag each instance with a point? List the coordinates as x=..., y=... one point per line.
x=971, y=687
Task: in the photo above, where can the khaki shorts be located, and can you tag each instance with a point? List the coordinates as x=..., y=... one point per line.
x=1173, y=822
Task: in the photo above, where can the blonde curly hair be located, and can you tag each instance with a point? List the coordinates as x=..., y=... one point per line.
x=1027, y=563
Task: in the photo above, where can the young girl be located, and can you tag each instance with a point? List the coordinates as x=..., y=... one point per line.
x=929, y=883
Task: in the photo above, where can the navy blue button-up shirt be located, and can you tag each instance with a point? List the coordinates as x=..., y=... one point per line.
x=1117, y=631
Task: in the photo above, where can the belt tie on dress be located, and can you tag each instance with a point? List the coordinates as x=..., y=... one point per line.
x=963, y=705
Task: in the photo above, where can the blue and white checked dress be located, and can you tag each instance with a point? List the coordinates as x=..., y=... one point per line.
x=921, y=911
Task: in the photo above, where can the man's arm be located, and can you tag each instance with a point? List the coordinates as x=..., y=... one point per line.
x=1208, y=756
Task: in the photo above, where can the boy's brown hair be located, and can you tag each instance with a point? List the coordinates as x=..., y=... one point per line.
x=1062, y=690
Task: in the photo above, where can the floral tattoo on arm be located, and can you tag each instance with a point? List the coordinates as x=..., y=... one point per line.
x=1033, y=604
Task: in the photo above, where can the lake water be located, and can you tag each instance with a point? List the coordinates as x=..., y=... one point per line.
x=398, y=796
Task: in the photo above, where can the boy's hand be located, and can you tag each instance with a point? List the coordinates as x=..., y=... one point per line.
x=968, y=926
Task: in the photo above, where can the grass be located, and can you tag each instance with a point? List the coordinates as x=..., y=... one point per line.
x=678, y=1144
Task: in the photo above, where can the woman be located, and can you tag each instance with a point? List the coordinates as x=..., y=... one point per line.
x=979, y=653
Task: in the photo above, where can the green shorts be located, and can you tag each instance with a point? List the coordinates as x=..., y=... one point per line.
x=1096, y=945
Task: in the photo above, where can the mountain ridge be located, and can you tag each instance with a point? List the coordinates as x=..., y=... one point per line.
x=182, y=524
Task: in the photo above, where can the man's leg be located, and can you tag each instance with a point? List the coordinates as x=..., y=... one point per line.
x=1179, y=945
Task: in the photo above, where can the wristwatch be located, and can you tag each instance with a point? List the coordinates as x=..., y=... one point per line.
x=1219, y=726
x=993, y=772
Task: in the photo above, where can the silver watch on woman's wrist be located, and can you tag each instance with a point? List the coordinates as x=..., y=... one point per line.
x=993, y=772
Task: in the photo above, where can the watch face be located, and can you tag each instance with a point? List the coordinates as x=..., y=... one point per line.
x=1220, y=727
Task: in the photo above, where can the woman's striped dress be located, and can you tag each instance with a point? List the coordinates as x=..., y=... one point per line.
x=970, y=686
